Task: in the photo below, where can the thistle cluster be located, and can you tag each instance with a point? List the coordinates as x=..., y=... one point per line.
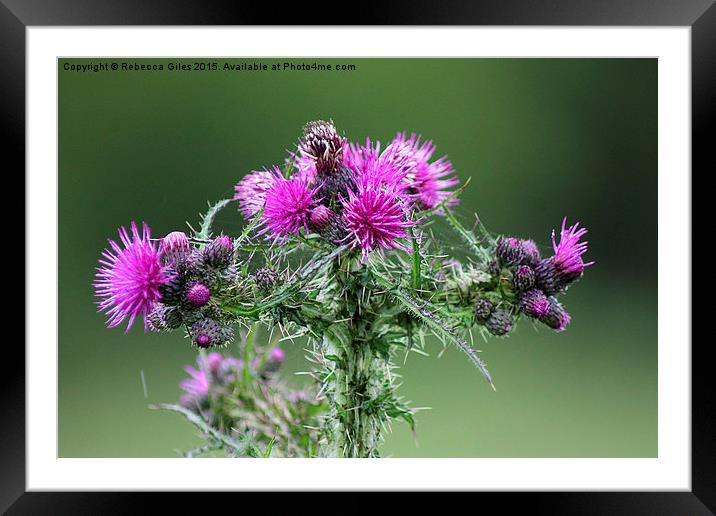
x=518, y=282
x=254, y=412
x=339, y=249
x=349, y=193
x=200, y=276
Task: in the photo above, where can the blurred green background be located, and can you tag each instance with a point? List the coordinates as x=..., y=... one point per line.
x=541, y=138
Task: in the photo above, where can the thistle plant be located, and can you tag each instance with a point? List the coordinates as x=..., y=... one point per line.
x=339, y=251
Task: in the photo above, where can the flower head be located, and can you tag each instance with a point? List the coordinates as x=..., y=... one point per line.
x=427, y=181
x=557, y=318
x=208, y=332
x=219, y=251
x=174, y=246
x=320, y=150
x=500, y=322
x=288, y=205
x=372, y=168
x=509, y=251
x=214, y=361
x=567, y=258
x=375, y=218
x=483, y=308
x=321, y=218
x=530, y=251
x=251, y=191
x=129, y=277
x=266, y=278
x=523, y=277
x=196, y=387
x=277, y=355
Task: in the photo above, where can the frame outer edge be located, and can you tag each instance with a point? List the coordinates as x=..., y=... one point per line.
x=703, y=112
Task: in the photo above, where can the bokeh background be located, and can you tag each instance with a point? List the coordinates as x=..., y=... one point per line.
x=540, y=138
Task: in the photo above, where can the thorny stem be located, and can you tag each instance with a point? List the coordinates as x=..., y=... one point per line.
x=356, y=380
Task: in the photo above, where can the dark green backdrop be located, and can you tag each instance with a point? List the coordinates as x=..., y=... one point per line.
x=541, y=138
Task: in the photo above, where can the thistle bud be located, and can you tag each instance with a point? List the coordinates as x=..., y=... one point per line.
x=326, y=223
x=523, y=278
x=274, y=360
x=172, y=292
x=155, y=320
x=483, y=309
x=277, y=356
x=173, y=318
x=499, y=323
x=531, y=255
x=337, y=183
x=198, y=294
x=266, y=278
x=321, y=218
x=557, y=318
x=547, y=277
x=230, y=274
x=208, y=332
x=509, y=251
x=174, y=246
x=219, y=251
x=535, y=303
x=321, y=142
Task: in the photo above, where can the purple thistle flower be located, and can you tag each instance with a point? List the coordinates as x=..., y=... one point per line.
x=373, y=169
x=277, y=355
x=214, y=361
x=198, y=294
x=427, y=181
x=230, y=367
x=128, y=279
x=554, y=274
x=305, y=166
x=567, y=258
x=273, y=363
x=535, y=303
x=251, y=191
x=288, y=205
x=375, y=219
x=196, y=388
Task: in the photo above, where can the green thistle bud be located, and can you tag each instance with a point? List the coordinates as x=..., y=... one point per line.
x=500, y=322
x=266, y=278
x=172, y=293
x=483, y=309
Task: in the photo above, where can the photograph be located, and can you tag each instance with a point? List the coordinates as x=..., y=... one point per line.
x=357, y=257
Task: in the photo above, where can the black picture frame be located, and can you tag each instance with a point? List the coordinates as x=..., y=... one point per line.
x=700, y=15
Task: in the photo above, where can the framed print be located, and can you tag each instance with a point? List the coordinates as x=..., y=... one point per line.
x=435, y=257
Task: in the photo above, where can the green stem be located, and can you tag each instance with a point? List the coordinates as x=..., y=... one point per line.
x=357, y=379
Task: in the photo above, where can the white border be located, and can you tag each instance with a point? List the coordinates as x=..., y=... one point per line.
x=672, y=468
